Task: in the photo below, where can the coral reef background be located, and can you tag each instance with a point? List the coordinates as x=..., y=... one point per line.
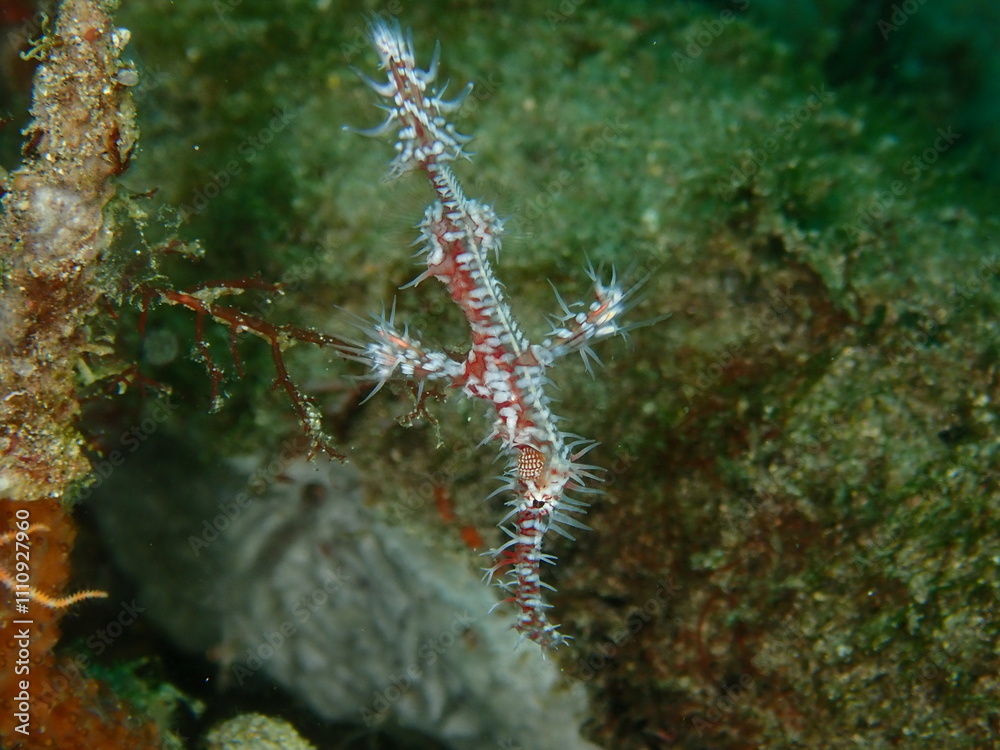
x=798, y=546
x=361, y=619
x=56, y=230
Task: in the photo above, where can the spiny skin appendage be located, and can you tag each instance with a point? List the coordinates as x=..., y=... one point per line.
x=457, y=238
x=416, y=113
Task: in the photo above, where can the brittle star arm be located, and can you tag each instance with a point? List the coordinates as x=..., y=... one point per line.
x=52, y=602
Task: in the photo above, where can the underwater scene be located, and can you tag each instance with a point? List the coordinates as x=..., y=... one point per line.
x=463, y=375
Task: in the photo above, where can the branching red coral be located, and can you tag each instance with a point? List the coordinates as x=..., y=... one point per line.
x=202, y=300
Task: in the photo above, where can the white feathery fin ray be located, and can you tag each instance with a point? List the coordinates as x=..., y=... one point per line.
x=502, y=367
